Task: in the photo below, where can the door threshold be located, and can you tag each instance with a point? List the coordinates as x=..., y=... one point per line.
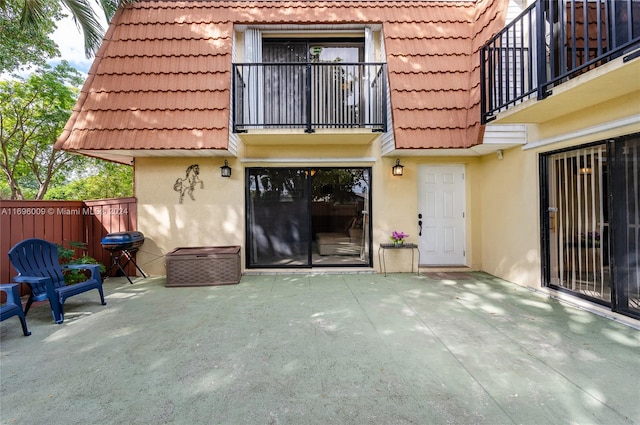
x=445, y=268
x=310, y=271
x=589, y=306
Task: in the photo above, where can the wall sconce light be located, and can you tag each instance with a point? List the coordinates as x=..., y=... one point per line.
x=500, y=153
x=397, y=170
x=584, y=166
x=225, y=170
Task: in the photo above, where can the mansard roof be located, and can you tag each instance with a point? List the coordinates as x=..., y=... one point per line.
x=161, y=79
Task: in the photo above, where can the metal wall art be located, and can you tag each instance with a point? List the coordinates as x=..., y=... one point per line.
x=188, y=184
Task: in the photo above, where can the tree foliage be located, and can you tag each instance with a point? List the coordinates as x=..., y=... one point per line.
x=22, y=45
x=34, y=16
x=105, y=180
x=33, y=113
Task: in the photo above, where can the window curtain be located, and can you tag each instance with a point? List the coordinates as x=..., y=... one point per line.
x=284, y=77
x=254, y=95
x=368, y=74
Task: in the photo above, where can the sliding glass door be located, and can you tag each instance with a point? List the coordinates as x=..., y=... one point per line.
x=591, y=222
x=306, y=217
x=625, y=219
x=277, y=219
x=579, y=225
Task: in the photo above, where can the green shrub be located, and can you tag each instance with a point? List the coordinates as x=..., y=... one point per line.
x=67, y=256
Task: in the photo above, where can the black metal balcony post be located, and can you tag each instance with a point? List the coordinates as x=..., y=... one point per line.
x=237, y=96
x=308, y=115
x=383, y=95
x=541, y=50
x=600, y=32
x=234, y=100
x=483, y=86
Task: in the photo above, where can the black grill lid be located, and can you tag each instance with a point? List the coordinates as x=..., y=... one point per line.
x=122, y=240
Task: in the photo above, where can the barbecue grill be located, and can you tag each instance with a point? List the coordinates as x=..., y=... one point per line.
x=123, y=244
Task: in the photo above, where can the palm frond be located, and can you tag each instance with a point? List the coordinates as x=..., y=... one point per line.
x=111, y=6
x=33, y=14
x=85, y=19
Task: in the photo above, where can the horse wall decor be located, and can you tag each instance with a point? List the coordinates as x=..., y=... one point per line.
x=188, y=184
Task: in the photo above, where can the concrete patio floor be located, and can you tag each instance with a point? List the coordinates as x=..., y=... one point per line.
x=320, y=349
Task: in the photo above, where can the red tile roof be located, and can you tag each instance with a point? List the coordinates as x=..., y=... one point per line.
x=161, y=79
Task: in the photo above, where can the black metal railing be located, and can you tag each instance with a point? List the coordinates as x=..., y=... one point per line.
x=551, y=42
x=309, y=96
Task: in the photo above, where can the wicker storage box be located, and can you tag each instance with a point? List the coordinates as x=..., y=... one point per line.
x=203, y=265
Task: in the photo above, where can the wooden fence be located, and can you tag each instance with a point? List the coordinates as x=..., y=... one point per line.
x=62, y=222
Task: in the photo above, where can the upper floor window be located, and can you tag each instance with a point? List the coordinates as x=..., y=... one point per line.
x=313, y=50
x=314, y=81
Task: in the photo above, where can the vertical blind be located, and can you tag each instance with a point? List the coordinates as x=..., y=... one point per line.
x=254, y=79
x=579, y=225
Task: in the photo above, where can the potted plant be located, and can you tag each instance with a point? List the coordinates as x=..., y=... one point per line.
x=398, y=237
x=68, y=256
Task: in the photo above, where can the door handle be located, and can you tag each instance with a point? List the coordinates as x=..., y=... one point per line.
x=552, y=218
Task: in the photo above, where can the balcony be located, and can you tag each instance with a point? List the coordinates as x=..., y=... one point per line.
x=333, y=96
x=581, y=51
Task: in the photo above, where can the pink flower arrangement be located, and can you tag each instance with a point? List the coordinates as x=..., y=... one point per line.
x=398, y=237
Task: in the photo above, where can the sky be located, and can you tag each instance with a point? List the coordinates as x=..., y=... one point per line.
x=71, y=45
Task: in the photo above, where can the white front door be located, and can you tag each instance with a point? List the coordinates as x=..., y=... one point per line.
x=441, y=211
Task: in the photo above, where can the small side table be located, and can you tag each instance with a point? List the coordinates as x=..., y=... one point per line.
x=411, y=246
